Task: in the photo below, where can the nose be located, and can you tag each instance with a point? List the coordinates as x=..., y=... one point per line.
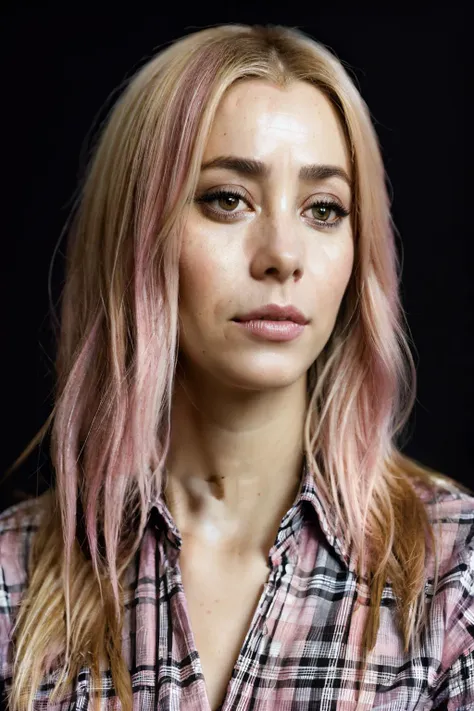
x=279, y=250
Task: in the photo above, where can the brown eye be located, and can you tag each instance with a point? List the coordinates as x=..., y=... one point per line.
x=222, y=203
x=321, y=212
x=228, y=202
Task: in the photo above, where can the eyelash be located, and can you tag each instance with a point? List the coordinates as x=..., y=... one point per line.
x=340, y=211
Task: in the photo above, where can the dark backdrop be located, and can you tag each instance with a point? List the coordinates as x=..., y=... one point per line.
x=59, y=70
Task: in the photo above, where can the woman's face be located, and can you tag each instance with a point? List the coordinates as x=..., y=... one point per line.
x=270, y=243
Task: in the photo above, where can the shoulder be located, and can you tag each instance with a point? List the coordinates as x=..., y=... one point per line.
x=450, y=509
x=27, y=508
x=451, y=512
x=18, y=524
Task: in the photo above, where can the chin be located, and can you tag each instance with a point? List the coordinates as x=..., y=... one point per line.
x=267, y=379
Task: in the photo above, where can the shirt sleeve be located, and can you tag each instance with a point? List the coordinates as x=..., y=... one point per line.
x=454, y=688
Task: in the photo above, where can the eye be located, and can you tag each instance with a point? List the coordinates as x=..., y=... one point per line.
x=322, y=209
x=227, y=202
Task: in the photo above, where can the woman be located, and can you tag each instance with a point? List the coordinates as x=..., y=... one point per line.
x=233, y=524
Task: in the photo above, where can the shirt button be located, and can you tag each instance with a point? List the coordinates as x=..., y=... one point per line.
x=289, y=568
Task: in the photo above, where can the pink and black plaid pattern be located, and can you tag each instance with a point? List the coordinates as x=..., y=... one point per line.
x=302, y=650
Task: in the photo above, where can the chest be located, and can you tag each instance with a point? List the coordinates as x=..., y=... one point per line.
x=222, y=596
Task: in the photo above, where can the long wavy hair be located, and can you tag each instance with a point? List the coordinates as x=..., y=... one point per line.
x=117, y=352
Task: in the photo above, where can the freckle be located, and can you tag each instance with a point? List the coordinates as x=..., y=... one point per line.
x=208, y=612
x=216, y=600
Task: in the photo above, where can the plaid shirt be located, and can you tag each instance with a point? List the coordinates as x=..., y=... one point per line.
x=302, y=650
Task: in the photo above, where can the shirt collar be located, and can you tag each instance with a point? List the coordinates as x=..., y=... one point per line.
x=291, y=524
x=328, y=524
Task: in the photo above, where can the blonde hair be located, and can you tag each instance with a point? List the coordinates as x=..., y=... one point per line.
x=117, y=352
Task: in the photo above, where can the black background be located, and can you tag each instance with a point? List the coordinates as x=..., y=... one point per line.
x=62, y=69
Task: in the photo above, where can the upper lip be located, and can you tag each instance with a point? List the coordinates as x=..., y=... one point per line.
x=274, y=312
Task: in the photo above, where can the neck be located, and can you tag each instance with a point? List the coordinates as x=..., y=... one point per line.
x=235, y=463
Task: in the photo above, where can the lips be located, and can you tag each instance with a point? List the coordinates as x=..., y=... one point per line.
x=274, y=312
x=263, y=318
x=264, y=329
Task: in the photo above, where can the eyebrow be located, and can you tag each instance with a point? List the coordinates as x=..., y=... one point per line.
x=257, y=169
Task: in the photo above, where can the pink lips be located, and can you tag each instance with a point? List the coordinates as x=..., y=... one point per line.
x=273, y=322
x=272, y=330
x=274, y=312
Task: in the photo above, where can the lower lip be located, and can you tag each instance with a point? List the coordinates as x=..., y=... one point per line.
x=273, y=330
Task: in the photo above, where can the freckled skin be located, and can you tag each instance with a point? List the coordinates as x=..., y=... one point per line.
x=222, y=265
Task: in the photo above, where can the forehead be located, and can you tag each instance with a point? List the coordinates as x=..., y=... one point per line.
x=260, y=120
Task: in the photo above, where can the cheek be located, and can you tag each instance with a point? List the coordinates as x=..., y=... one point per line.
x=202, y=274
x=333, y=266
x=331, y=276
x=193, y=277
